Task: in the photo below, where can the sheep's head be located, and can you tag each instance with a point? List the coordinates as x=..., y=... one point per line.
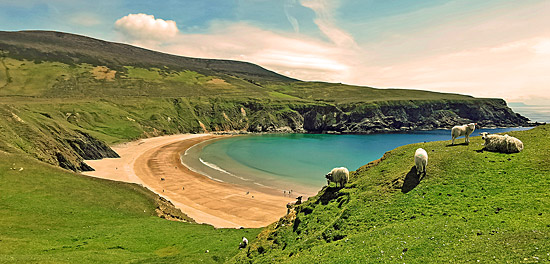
x=484, y=135
x=472, y=125
x=329, y=176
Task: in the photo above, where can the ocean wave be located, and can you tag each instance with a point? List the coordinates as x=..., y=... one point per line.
x=214, y=166
x=199, y=172
x=262, y=185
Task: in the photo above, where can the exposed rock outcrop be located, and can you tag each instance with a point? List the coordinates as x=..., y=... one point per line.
x=391, y=117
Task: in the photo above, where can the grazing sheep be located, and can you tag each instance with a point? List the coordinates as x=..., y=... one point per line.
x=338, y=175
x=465, y=130
x=499, y=143
x=243, y=243
x=421, y=161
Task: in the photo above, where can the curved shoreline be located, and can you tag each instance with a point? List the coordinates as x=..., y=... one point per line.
x=155, y=163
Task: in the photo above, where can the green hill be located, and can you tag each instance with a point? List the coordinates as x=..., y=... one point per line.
x=50, y=215
x=73, y=49
x=472, y=206
x=44, y=64
x=64, y=98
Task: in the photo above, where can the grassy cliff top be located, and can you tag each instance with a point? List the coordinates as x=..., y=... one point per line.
x=473, y=206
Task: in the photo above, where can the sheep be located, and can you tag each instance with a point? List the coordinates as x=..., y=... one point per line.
x=500, y=143
x=244, y=243
x=338, y=175
x=464, y=130
x=421, y=161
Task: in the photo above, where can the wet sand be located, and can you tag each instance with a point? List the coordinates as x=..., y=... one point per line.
x=155, y=163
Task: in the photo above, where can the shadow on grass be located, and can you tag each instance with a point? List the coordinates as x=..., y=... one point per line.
x=481, y=150
x=329, y=194
x=412, y=179
x=458, y=144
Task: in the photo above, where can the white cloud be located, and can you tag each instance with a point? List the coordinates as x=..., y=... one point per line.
x=543, y=47
x=290, y=54
x=146, y=28
x=514, y=71
x=325, y=21
x=448, y=57
x=289, y=4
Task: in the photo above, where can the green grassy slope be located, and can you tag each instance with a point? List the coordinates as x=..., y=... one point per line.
x=342, y=93
x=471, y=206
x=53, y=79
x=49, y=215
x=73, y=49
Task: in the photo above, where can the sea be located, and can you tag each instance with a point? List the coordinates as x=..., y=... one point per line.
x=537, y=113
x=298, y=162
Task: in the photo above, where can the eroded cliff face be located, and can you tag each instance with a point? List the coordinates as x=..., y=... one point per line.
x=48, y=139
x=64, y=139
x=393, y=117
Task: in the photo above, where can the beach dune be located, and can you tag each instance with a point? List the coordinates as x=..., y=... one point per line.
x=155, y=163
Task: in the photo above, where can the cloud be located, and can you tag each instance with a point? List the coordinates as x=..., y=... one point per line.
x=543, y=47
x=289, y=54
x=485, y=60
x=514, y=71
x=325, y=22
x=146, y=28
x=288, y=5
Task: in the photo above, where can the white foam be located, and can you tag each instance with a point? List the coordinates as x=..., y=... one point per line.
x=214, y=166
x=259, y=184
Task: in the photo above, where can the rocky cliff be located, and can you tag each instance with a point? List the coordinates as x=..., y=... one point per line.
x=48, y=139
x=391, y=116
x=65, y=139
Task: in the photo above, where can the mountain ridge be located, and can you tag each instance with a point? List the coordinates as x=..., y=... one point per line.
x=57, y=42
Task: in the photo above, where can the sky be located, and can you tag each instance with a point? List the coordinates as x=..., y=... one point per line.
x=489, y=48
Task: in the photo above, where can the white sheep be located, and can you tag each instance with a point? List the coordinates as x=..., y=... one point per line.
x=500, y=143
x=464, y=130
x=421, y=161
x=338, y=175
x=244, y=243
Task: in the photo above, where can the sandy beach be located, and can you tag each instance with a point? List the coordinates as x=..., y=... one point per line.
x=155, y=163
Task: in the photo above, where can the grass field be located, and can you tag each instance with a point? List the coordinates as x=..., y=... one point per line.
x=49, y=215
x=472, y=206
x=56, y=87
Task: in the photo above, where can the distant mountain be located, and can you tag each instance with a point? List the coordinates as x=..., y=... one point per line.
x=75, y=49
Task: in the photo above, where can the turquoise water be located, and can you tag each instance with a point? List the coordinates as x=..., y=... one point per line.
x=298, y=162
